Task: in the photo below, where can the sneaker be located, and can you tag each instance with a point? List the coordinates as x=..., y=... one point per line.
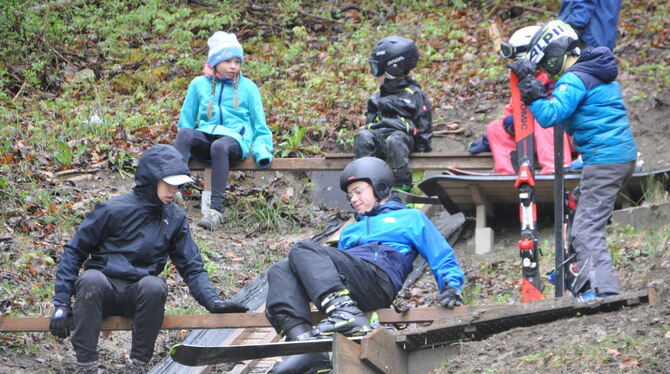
x=179, y=200
x=404, y=188
x=87, y=368
x=135, y=366
x=590, y=296
x=211, y=220
x=585, y=297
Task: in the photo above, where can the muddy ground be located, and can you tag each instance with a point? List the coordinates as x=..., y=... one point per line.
x=577, y=345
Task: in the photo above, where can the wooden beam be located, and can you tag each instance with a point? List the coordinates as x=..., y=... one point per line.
x=337, y=162
x=237, y=320
x=346, y=357
x=379, y=350
x=485, y=323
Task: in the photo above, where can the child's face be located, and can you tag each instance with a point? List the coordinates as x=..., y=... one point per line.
x=229, y=68
x=166, y=191
x=361, y=196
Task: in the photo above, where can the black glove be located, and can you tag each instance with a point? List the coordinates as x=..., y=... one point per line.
x=508, y=124
x=523, y=68
x=59, y=325
x=220, y=306
x=578, y=30
x=531, y=89
x=450, y=297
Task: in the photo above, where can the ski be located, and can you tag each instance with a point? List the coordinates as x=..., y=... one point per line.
x=531, y=288
x=198, y=355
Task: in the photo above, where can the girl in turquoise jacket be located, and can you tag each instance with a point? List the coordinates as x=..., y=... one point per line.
x=222, y=119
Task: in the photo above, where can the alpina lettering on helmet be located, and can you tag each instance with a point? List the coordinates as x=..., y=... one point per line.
x=551, y=45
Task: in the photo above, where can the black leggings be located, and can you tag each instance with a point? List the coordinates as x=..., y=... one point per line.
x=221, y=150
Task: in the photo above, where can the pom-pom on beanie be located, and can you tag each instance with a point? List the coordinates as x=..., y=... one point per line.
x=222, y=47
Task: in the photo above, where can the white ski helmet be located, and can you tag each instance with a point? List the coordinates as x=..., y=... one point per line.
x=519, y=43
x=552, y=44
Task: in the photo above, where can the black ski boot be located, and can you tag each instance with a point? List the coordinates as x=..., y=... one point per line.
x=343, y=316
x=308, y=363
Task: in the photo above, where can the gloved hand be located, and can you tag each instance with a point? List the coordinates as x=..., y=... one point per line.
x=531, y=90
x=220, y=306
x=395, y=124
x=578, y=30
x=508, y=124
x=450, y=297
x=59, y=325
x=523, y=68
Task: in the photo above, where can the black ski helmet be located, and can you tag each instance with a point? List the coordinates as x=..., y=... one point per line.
x=551, y=45
x=394, y=55
x=371, y=170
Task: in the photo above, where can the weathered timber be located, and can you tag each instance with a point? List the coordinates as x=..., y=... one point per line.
x=232, y=320
x=337, y=161
x=484, y=323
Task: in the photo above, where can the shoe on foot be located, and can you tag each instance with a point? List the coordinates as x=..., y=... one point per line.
x=87, y=368
x=135, y=366
x=343, y=316
x=310, y=363
x=179, y=200
x=212, y=220
x=405, y=188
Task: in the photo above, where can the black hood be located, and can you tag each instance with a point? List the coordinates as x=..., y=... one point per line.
x=595, y=66
x=155, y=164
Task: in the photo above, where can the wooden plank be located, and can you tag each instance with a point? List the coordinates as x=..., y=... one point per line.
x=346, y=357
x=485, y=323
x=337, y=161
x=456, y=195
x=237, y=320
x=379, y=350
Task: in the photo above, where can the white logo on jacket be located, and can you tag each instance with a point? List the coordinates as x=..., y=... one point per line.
x=388, y=219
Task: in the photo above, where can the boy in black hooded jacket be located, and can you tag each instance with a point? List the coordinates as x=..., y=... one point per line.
x=124, y=244
x=399, y=120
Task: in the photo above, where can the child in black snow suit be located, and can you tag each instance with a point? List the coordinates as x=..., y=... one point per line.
x=399, y=120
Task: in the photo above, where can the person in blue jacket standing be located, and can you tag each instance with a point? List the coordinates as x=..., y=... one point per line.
x=374, y=256
x=587, y=100
x=594, y=21
x=222, y=118
x=123, y=245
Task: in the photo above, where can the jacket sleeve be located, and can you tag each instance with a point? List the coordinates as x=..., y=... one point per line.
x=190, y=108
x=579, y=13
x=372, y=115
x=185, y=256
x=262, y=140
x=567, y=96
x=439, y=254
x=88, y=237
x=424, y=125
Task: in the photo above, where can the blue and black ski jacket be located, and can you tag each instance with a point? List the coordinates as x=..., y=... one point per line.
x=588, y=101
x=392, y=238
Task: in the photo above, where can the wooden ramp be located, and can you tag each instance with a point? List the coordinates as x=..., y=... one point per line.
x=484, y=193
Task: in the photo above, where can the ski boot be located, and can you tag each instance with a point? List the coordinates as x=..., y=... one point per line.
x=343, y=316
x=308, y=363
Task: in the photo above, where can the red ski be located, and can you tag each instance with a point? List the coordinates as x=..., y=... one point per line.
x=531, y=288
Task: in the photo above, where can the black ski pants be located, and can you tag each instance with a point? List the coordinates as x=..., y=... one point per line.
x=221, y=150
x=311, y=272
x=97, y=297
x=392, y=145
